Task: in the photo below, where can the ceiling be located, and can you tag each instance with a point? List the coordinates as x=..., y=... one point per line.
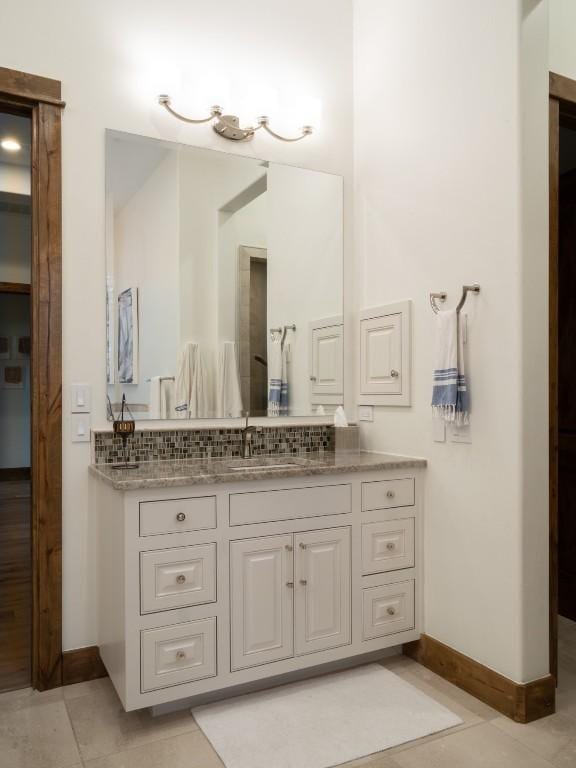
x=15, y=127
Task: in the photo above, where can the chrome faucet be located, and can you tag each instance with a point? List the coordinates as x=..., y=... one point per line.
x=247, y=433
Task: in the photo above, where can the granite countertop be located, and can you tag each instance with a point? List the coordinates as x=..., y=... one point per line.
x=169, y=474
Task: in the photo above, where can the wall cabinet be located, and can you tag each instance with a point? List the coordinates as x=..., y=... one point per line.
x=205, y=588
x=326, y=344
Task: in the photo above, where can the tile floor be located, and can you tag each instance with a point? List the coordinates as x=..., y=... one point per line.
x=84, y=726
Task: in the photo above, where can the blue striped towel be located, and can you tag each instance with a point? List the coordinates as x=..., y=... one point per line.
x=278, y=379
x=450, y=397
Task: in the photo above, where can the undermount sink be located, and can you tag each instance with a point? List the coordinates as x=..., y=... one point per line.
x=255, y=463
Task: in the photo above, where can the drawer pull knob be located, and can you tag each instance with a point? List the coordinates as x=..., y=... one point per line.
x=303, y=582
x=394, y=374
x=180, y=655
x=289, y=548
x=290, y=584
x=390, y=494
x=390, y=610
x=302, y=545
x=181, y=516
x=390, y=546
x=180, y=579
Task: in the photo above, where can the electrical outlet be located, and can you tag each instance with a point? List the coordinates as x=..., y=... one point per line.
x=365, y=413
x=460, y=434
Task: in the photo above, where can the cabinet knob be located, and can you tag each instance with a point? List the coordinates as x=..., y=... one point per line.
x=180, y=655
x=302, y=545
x=390, y=610
x=312, y=378
x=394, y=374
x=390, y=494
x=303, y=582
x=289, y=547
x=390, y=546
x=180, y=579
x=290, y=584
x=181, y=516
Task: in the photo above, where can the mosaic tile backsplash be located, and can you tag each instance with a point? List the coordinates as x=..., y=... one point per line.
x=165, y=445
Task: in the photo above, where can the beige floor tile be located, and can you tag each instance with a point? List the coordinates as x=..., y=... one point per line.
x=190, y=750
x=27, y=697
x=470, y=709
x=83, y=689
x=37, y=736
x=547, y=737
x=102, y=727
x=482, y=746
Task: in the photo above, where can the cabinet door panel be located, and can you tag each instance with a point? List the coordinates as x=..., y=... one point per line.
x=327, y=373
x=262, y=598
x=322, y=590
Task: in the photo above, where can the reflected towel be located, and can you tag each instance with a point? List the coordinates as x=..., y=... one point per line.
x=161, y=404
x=450, y=399
x=278, y=378
x=191, y=388
x=229, y=403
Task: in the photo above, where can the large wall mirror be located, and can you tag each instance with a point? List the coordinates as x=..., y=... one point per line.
x=224, y=283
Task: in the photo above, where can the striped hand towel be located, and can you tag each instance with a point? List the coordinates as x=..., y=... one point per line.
x=450, y=399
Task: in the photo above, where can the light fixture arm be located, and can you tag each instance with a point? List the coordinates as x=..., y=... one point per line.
x=227, y=125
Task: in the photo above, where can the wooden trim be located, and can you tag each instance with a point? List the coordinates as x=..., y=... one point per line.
x=40, y=98
x=14, y=473
x=562, y=88
x=523, y=702
x=553, y=186
x=46, y=369
x=81, y=665
x=31, y=88
x=22, y=288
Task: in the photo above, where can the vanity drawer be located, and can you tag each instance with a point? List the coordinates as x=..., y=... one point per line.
x=387, y=609
x=271, y=506
x=177, y=515
x=176, y=578
x=178, y=654
x=387, y=545
x=383, y=494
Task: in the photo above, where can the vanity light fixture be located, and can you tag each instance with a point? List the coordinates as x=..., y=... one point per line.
x=228, y=126
x=10, y=145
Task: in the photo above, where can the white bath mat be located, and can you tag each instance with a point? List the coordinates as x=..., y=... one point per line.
x=321, y=722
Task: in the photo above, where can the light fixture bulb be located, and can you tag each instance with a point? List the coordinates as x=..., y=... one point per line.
x=10, y=145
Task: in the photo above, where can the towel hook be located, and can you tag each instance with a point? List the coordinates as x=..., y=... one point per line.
x=442, y=296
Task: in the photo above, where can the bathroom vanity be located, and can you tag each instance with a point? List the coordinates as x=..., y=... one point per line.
x=219, y=573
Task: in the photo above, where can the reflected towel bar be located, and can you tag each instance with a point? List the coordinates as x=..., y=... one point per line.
x=442, y=296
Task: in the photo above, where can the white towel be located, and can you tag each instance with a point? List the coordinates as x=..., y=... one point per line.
x=450, y=399
x=161, y=402
x=229, y=403
x=191, y=387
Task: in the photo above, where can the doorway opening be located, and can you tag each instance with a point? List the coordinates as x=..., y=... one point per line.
x=15, y=405
x=562, y=287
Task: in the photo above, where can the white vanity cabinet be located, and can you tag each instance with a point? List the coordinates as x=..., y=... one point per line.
x=209, y=587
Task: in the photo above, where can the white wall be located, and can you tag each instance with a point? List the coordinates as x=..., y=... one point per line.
x=450, y=151
x=146, y=257
x=113, y=59
x=562, y=52
x=304, y=258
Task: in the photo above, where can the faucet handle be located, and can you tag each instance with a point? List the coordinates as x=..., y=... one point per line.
x=246, y=415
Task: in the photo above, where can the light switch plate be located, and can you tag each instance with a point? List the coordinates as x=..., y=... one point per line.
x=80, y=424
x=80, y=398
x=460, y=434
x=365, y=413
x=438, y=430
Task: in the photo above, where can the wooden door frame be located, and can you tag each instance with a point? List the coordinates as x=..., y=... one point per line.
x=40, y=99
x=562, y=108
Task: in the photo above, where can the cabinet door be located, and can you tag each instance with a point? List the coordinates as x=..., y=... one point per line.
x=327, y=361
x=322, y=590
x=381, y=355
x=262, y=600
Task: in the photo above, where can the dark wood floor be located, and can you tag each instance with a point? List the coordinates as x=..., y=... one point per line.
x=15, y=585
